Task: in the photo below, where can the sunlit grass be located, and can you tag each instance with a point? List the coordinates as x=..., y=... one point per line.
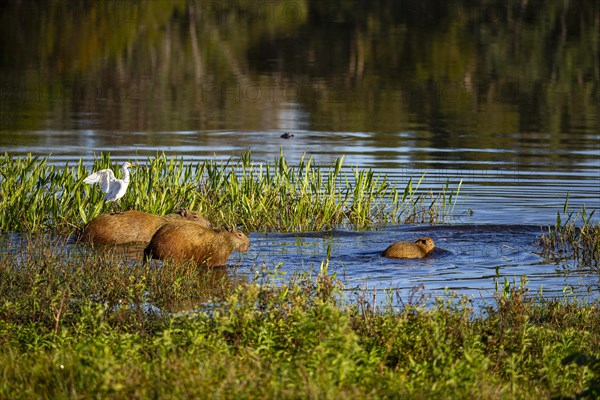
x=36, y=195
x=94, y=325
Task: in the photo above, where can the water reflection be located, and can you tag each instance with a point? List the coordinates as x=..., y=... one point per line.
x=338, y=65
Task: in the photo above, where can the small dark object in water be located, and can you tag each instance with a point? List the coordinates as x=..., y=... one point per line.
x=287, y=135
x=419, y=249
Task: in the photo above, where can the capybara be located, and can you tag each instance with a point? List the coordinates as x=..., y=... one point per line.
x=184, y=241
x=417, y=249
x=132, y=226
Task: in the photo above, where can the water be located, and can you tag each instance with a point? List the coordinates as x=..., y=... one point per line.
x=468, y=259
x=503, y=97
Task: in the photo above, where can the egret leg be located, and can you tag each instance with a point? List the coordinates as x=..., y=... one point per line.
x=119, y=206
x=113, y=207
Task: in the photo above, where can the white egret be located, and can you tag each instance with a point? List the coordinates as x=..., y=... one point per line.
x=113, y=187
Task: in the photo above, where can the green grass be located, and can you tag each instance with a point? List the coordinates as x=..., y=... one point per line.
x=37, y=196
x=87, y=326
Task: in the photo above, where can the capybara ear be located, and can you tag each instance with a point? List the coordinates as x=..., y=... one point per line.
x=230, y=229
x=183, y=212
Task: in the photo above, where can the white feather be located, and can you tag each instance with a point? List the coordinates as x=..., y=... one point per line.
x=114, y=188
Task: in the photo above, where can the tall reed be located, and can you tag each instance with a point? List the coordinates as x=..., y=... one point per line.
x=573, y=236
x=36, y=195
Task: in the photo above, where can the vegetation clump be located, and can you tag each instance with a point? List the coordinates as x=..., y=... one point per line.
x=36, y=195
x=574, y=236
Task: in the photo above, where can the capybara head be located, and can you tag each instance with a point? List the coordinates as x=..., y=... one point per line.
x=239, y=239
x=194, y=216
x=425, y=243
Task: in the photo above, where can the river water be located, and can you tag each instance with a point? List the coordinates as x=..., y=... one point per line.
x=504, y=98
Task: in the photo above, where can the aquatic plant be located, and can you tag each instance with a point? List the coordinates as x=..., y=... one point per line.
x=573, y=236
x=97, y=325
x=36, y=195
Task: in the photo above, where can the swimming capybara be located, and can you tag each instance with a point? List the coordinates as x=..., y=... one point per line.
x=132, y=226
x=417, y=249
x=183, y=241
